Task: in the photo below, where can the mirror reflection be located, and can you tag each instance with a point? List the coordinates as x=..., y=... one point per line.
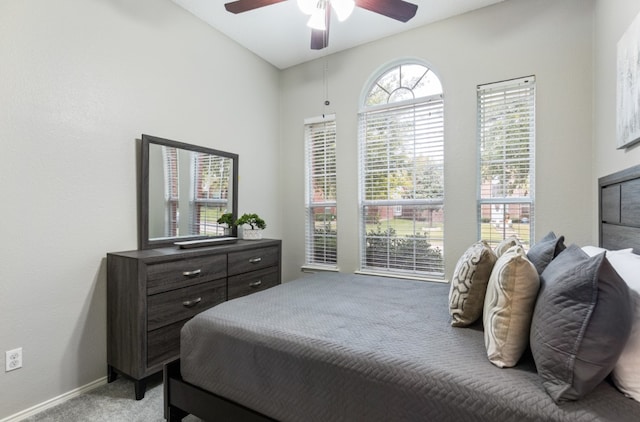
x=188, y=188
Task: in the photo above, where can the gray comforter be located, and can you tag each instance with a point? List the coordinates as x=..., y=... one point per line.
x=340, y=347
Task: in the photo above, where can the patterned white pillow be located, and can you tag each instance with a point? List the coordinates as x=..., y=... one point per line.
x=469, y=284
x=508, y=307
x=506, y=244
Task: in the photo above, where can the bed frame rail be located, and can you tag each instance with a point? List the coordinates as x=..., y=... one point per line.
x=182, y=399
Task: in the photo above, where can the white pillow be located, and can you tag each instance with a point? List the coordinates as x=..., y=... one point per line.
x=508, y=307
x=626, y=373
x=627, y=264
x=595, y=250
x=506, y=244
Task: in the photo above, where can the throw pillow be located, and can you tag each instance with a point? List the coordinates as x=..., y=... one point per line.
x=595, y=250
x=581, y=322
x=626, y=374
x=627, y=264
x=508, y=307
x=543, y=252
x=469, y=284
x=506, y=244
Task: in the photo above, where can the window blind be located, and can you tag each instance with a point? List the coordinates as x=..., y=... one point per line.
x=506, y=143
x=211, y=175
x=402, y=188
x=321, y=207
x=171, y=194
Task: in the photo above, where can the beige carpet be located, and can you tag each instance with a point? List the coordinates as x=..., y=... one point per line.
x=114, y=402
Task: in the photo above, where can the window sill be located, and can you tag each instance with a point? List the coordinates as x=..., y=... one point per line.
x=318, y=268
x=401, y=276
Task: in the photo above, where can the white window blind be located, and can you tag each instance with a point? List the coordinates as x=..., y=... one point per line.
x=171, y=194
x=506, y=143
x=211, y=175
x=321, y=207
x=401, y=176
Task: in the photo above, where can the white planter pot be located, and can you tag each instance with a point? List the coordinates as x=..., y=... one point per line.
x=251, y=234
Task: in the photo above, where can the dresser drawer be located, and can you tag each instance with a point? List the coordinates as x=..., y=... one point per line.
x=163, y=344
x=176, y=274
x=254, y=281
x=175, y=305
x=254, y=259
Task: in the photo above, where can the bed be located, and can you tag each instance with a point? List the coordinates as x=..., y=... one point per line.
x=346, y=347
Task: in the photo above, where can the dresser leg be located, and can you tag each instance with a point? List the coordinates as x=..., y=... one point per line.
x=112, y=375
x=140, y=387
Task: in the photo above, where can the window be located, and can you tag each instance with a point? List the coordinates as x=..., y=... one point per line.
x=170, y=160
x=401, y=185
x=321, y=208
x=209, y=177
x=210, y=196
x=506, y=142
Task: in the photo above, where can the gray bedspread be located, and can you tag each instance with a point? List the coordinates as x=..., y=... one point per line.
x=342, y=347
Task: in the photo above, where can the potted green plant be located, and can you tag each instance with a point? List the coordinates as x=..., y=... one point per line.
x=226, y=221
x=255, y=223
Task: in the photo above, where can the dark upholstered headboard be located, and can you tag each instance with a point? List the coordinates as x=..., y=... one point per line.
x=619, y=196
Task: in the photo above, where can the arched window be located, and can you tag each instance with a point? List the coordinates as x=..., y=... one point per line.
x=401, y=145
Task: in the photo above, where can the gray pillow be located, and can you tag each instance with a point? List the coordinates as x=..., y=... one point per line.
x=581, y=323
x=543, y=252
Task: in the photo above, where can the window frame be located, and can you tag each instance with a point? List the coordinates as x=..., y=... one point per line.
x=203, y=205
x=518, y=94
x=413, y=268
x=313, y=126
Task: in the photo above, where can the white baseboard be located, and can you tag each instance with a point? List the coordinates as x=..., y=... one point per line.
x=54, y=401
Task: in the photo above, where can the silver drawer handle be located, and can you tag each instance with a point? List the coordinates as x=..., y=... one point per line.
x=191, y=303
x=191, y=273
x=255, y=283
x=255, y=260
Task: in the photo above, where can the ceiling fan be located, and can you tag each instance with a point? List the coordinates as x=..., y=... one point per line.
x=320, y=12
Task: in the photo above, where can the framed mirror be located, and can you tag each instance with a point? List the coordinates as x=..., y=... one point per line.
x=184, y=189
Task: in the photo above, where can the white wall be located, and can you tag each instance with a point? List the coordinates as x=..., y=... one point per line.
x=612, y=18
x=80, y=81
x=546, y=38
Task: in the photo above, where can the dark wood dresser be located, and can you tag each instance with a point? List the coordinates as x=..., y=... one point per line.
x=152, y=293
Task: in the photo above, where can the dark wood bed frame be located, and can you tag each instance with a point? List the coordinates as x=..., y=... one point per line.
x=619, y=227
x=620, y=209
x=182, y=399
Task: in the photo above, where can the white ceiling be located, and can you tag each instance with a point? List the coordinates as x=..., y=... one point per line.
x=278, y=33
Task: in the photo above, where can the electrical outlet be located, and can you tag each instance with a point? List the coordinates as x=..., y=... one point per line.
x=13, y=359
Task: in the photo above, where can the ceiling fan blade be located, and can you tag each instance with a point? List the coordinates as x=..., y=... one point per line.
x=240, y=6
x=319, y=38
x=395, y=9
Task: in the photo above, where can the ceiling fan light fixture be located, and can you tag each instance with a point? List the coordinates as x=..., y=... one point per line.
x=319, y=12
x=343, y=8
x=318, y=17
x=307, y=6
